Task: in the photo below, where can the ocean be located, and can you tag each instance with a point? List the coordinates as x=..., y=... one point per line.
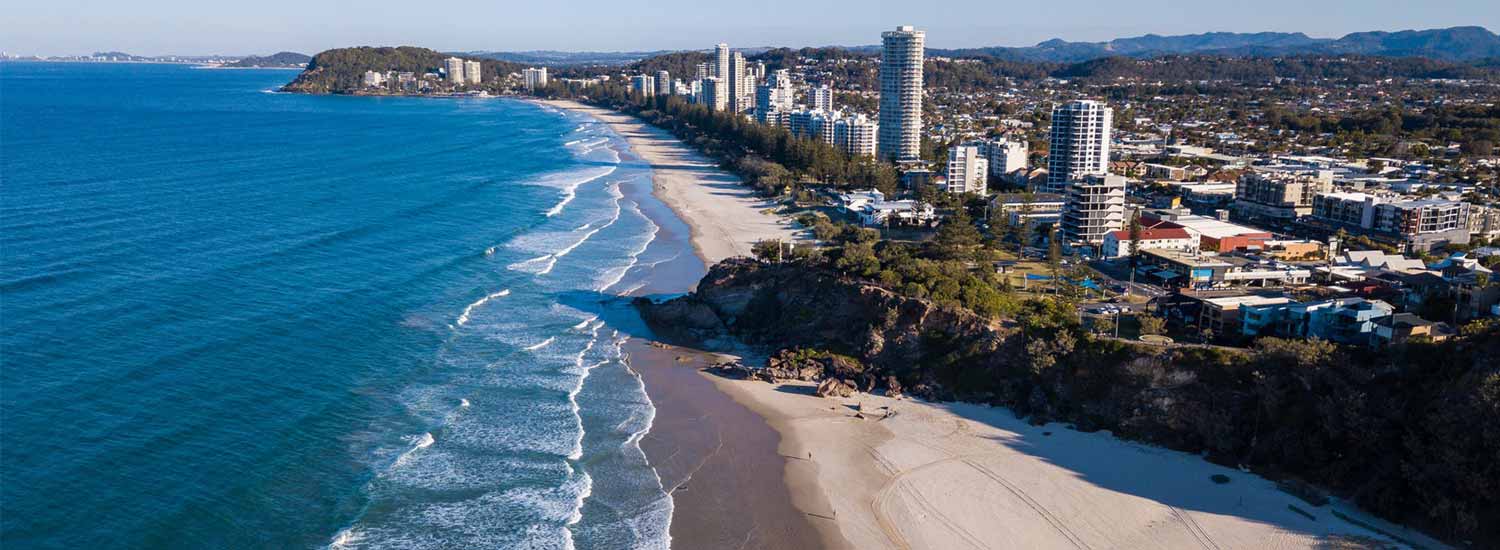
x=234, y=318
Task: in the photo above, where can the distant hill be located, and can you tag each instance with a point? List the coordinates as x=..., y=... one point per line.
x=554, y=58
x=280, y=59
x=1452, y=44
x=342, y=70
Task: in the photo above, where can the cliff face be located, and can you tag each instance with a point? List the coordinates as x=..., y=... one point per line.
x=1409, y=433
x=796, y=307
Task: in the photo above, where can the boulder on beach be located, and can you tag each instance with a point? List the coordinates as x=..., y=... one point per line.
x=834, y=387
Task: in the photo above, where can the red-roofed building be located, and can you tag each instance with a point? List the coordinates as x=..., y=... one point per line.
x=1117, y=243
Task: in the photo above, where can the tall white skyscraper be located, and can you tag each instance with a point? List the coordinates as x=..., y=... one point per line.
x=968, y=170
x=455, y=69
x=901, y=94
x=536, y=77
x=1079, y=144
x=473, y=72
x=740, y=83
x=821, y=97
x=721, y=61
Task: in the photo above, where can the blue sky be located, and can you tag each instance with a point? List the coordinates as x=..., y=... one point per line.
x=154, y=27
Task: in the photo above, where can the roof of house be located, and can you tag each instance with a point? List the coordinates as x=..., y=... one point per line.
x=1157, y=234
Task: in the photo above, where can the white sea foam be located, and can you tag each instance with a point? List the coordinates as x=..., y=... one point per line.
x=344, y=538
x=612, y=277
x=543, y=344
x=570, y=190
x=463, y=318
x=542, y=265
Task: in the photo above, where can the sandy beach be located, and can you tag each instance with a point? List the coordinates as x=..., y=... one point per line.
x=773, y=466
x=918, y=475
x=726, y=217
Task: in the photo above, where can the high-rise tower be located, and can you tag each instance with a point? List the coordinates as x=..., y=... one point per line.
x=901, y=94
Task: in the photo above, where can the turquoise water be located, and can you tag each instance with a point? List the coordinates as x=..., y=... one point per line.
x=242, y=319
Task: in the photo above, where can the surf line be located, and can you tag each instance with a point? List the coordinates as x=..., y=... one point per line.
x=463, y=318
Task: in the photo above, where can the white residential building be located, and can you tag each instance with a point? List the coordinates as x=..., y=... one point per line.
x=721, y=62
x=968, y=170
x=1006, y=157
x=373, y=79
x=536, y=77
x=455, y=69
x=856, y=135
x=473, y=72
x=901, y=94
x=1117, y=244
x=715, y=94
x=643, y=85
x=1095, y=206
x=773, y=100
x=812, y=124
x=1079, y=144
x=821, y=97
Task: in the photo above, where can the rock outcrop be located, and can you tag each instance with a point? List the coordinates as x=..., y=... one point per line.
x=871, y=333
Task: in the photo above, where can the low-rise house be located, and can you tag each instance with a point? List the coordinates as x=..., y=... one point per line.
x=1174, y=268
x=1117, y=244
x=1403, y=327
x=1033, y=209
x=1213, y=234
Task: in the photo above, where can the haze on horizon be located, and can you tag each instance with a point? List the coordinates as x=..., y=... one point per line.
x=183, y=27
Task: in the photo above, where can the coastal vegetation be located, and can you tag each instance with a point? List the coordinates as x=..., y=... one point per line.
x=342, y=70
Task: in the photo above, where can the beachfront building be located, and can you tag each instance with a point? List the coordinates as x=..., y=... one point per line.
x=454, y=67
x=812, y=124
x=473, y=72
x=900, y=136
x=643, y=85
x=773, y=100
x=721, y=62
x=374, y=79
x=535, y=77
x=1095, y=206
x=1079, y=144
x=741, y=84
x=968, y=170
x=715, y=94
x=856, y=135
x=663, y=83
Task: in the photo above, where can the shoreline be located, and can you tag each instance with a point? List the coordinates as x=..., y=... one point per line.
x=725, y=217
x=878, y=472
x=717, y=458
